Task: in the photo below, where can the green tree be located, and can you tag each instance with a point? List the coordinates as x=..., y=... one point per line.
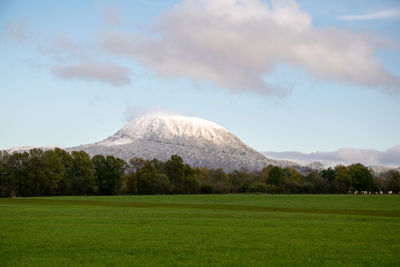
x=276, y=176
x=159, y=165
x=343, y=179
x=238, y=181
x=100, y=171
x=19, y=162
x=151, y=182
x=162, y=185
x=361, y=177
x=329, y=174
x=220, y=181
x=7, y=176
x=146, y=179
x=65, y=184
x=129, y=184
x=202, y=176
x=190, y=184
x=135, y=164
x=175, y=170
x=293, y=175
x=109, y=172
x=36, y=176
x=393, y=181
x=317, y=183
x=83, y=178
x=293, y=181
x=53, y=172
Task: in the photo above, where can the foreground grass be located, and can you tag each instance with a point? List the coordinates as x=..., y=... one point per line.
x=201, y=230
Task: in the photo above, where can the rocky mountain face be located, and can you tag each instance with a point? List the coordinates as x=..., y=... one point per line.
x=199, y=142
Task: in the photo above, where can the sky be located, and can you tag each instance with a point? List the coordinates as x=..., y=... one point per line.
x=281, y=75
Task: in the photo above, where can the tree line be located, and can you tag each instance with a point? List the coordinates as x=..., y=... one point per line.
x=57, y=172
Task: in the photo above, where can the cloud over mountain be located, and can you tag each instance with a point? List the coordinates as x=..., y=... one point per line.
x=389, y=157
x=235, y=44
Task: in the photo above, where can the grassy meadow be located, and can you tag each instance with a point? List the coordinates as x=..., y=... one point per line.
x=228, y=230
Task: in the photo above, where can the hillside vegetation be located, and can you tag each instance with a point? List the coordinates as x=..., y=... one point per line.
x=57, y=172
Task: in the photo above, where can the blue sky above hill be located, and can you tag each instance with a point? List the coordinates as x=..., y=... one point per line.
x=281, y=75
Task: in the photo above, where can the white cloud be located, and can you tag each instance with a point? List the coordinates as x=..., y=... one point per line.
x=370, y=157
x=107, y=72
x=382, y=14
x=236, y=43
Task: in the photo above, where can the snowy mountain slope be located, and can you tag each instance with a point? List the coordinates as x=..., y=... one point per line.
x=199, y=142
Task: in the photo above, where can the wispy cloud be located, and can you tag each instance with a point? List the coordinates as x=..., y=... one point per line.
x=18, y=30
x=371, y=157
x=107, y=72
x=63, y=48
x=112, y=14
x=235, y=44
x=66, y=52
x=135, y=111
x=382, y=14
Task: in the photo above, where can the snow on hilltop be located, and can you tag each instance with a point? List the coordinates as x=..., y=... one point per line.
x=165, y=126
x=199, y=142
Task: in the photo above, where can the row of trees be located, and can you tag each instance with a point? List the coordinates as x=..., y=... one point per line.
x=58, y=172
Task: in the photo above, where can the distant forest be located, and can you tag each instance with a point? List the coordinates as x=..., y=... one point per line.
x=60, y=173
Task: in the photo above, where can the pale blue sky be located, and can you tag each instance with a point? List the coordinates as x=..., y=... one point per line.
x=43, y=104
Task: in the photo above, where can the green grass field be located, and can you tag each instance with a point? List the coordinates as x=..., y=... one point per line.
x=246, y=230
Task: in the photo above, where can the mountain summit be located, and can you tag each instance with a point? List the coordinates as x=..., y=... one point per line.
x=199, y=142
x=168, y=127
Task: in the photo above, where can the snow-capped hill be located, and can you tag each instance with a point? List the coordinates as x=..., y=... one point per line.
x=166, y=127
x=199, y=142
